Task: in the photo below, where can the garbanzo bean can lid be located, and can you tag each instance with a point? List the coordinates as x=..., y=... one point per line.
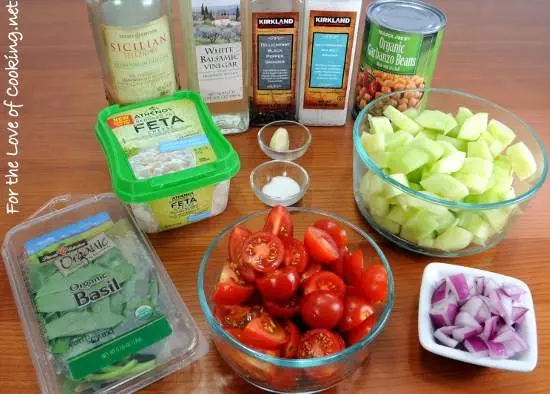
x=163, y=147
x=407, y=16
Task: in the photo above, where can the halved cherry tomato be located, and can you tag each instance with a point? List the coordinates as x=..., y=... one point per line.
x=321, y=309
x=320, y=245
x=327, y=281
x=340, y=340
x=337, y=233
x=374, y=283
x=362, y=330
x=354, y=291
x=264, y=332
x=236, y=240
x=234, y=332
x=280, y=285
x=296, y=255
x=263, y=251
x=285, y=310
x=338, y=265
x=228, y=273
x=231, y=292
x=353, y=268
x=279, y=223
x=291, y=347
x=246, y=272
x=235, y=316
x=271, y=352
x=356, y=311
x=312, y=268
x=318, y=343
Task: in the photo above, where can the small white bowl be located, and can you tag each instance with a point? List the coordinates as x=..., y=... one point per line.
x=266, y=171
x=522, y=362
x=299, y=137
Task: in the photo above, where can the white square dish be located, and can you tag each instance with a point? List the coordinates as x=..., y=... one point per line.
x=522, y=362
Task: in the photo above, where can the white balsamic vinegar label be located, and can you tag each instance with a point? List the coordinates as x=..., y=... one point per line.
x=217, y=31
x=220, y=72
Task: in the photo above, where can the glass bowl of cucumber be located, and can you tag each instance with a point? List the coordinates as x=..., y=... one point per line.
x=446, y=175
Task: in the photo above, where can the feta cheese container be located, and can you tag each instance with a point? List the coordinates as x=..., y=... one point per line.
x=167, y=160
x=99, y=312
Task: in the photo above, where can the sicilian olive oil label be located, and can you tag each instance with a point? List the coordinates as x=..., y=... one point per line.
x=274, y=45
x=163, y=138
x=330, y=43
x=218, y=50
x=96, y=300
x=140, y=60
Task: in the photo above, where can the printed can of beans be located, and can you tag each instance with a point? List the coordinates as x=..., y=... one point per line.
x=400, y=48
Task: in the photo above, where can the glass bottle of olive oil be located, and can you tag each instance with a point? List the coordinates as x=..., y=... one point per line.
x=135, y=47
x=215, y=44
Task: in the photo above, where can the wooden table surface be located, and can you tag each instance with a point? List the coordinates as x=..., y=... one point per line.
x=498, y=49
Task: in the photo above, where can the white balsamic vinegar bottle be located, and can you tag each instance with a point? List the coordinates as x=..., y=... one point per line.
x=135, y=47
x=217, y=61
x=329, y=40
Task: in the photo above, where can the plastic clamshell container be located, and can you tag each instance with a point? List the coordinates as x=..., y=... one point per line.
x=99, y=312
x=167, y=160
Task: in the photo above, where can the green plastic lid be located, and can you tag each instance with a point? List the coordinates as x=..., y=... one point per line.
x=163, y=147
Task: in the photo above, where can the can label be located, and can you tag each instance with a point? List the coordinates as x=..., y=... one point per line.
x=393, y=61
x=275, y=39
x=330, y=43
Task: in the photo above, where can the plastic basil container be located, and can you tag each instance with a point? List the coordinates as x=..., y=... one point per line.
x=99, y=312
x=167, y=160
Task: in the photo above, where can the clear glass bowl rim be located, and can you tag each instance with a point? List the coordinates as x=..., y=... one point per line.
x=267, y=197
x=293, y=363
x=436, y=200
x=290, y=151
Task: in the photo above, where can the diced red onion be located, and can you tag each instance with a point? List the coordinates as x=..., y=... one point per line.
x=490, y=285
x=459, y=287
x=487, y=320
x=490, y=328
x=440, y=292
x=513, y=291
x=464, y=319
x=518, y=312
x=497, y=350
x=476, y=346
x=445, y=339
x=506, y=306
x=479, y=285
x=462, y=333
x=444, y=312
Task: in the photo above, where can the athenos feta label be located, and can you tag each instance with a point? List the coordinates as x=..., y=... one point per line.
x=162, y=138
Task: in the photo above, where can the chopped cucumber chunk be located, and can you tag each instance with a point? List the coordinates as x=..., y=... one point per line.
x=479, y=149
x=477, y=166
x=497, y=218
x=408, y=159
x=454, y=238
x=432, y=148
x=472, y=128
x=379, y=205
x=411, y=113
x=436, y=120
x=400, y=120
x=458, y=144
x=463, y=114
x=398, y=214
x=387, y=224
x=392, y=191
x=397, y=140
x=421, y=224
x=522, y=160
x=449, y=164
x=380, y=124
x=501, y=132
x=446, y=186
x=373, y=142
x=475, y=224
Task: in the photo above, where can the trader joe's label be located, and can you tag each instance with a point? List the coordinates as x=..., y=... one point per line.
x=218, y=50
x=274, y=42
x=140, y=61
x=330, y=43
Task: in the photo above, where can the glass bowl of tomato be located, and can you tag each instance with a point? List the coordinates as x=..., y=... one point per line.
x=293, y=297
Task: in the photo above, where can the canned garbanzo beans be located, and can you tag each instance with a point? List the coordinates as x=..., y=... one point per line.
x=400, y=49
